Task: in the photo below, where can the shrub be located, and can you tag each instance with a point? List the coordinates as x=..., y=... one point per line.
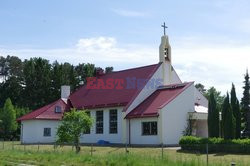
x=215, y=145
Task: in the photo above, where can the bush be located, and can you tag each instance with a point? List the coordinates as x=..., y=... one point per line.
x=215, y=145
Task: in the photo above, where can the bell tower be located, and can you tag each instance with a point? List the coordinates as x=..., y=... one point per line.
x=165, y=49
x=165, y=58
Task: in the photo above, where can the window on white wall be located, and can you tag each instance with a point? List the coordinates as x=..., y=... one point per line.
x=99, y=122
x=88, y=130
x=113, y=121
x=47, y=132
x=149, y=128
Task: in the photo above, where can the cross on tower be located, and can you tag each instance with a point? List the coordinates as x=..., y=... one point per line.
x=164, y=27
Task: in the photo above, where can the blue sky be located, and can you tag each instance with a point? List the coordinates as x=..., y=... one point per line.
x=209, y=39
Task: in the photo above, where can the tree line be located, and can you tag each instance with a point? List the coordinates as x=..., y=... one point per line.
x=29, y=84
x=229, y=119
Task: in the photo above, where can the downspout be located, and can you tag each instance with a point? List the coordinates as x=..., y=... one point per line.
x=21, y=133
x=129, y=142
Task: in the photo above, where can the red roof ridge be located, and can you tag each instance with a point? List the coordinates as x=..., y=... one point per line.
x=186, y=84
x=135, y=68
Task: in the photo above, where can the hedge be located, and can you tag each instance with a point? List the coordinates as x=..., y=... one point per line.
x=215, y=145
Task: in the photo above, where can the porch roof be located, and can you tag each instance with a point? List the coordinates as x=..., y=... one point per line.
x=160, y=98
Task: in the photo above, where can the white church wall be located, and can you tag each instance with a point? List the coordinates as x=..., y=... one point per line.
x=146, y=91
x=175, y=78
x=106, y=136
x=32, y=131
x=136, y=136
x=125, y=127
x=199, y=98
x=174, y=116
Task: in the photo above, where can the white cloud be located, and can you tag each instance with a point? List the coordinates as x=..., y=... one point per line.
x=102, y=51
x=211, y=64
x=97, y=43
x=130, y=13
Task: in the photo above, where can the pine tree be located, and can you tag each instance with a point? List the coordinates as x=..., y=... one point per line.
x=245, y=102
x=8, y=118
x=229, y=132
x=228, y=120
x=213, y=117
x=236, y=112
x=224, y=112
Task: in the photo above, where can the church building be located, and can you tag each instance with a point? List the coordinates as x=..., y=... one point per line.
x=148, y=105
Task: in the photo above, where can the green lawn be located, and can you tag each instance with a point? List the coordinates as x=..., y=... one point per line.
x=14, y=154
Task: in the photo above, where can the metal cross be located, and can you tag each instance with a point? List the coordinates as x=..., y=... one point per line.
x=164, y=27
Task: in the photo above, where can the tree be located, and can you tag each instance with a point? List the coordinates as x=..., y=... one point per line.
x=8, y=118
x=84, y=71
x=109, y=70
x=224, y=111
x=213, y=117
x=11, y=88
x=19, y=112
x=74, y=124
x=245, y=102
x=217, y=95
x=74, y=82
x=236, y=112
x=228, y=120
x=229, y=132
x=37, y=82
x=189, y=127
x=201, y=88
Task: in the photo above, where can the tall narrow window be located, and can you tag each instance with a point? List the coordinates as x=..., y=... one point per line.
x=149, y=128
x=113, y=121
x=88, y=130
x=47, y=132
x=99, y=122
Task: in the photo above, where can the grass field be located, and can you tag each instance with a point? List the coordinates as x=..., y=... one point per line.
x=16, y=154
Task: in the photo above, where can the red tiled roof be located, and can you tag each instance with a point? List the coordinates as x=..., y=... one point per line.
x=161, y=97
x=47, y=112
x=99, y=98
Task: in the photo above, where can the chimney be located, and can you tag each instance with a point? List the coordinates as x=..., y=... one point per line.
x=65, y=91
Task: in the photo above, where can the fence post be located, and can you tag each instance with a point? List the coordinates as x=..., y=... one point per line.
x=3, y=144
x=12, y=145
x=207, y=152
x=38, y=147
x=126, y=148
x=54, y=147
x=162, y=151
x=91, y=149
